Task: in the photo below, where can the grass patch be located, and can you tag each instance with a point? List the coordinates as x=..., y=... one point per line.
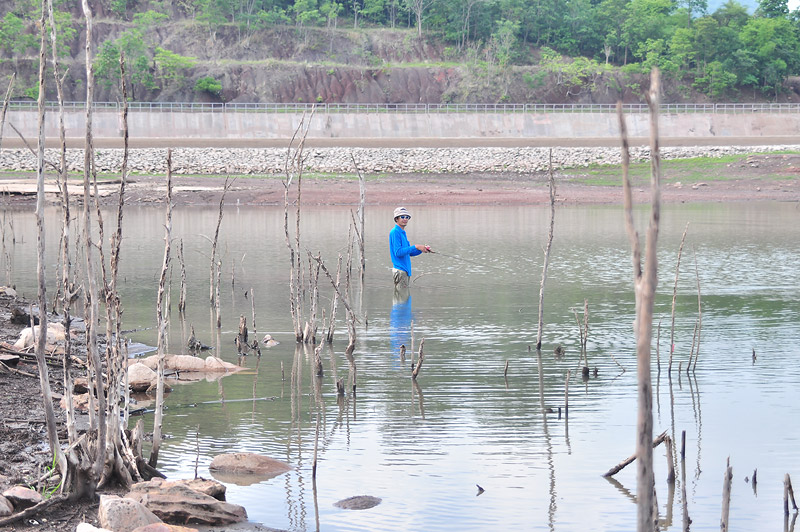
x=694, y=170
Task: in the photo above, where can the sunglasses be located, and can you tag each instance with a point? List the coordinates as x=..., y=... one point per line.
x=404, y=217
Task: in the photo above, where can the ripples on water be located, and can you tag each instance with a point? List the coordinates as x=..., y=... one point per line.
x=423, y=448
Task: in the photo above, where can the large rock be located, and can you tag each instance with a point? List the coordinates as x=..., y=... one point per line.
x=176, y=503
x=205, y=486
x=164, y=527
x=140, y=377
x=9, y=360
x=359, y=502
x=151, y=361
x=185, y=363
x=248, y=463
x=80, y=402
x=217, y=364
x=6, y=508
x=123, y=515
x=55, y=334
x=21, y=497
x=86, y=527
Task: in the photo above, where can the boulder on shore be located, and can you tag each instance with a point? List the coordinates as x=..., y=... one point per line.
x=123, y=515
x=251, y=465
x=177, y=503
x=141, y=378
x=55, y=334
x=21, y=497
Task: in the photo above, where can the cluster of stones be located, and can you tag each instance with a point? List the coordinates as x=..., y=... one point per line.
x=217, y=161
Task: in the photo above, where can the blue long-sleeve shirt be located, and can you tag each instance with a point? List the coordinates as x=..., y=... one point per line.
x=400, y=250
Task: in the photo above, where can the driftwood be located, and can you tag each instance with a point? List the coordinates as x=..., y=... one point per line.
x=622, y=465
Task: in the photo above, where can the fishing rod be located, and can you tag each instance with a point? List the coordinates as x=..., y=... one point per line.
x=456, y=257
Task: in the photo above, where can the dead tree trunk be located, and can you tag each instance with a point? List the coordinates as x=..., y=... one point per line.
x=41, y=339
x=161, y=320
x=362, y=200
x=212, y=285
x=334, y=303
x=5, y=106
x=727, y=483
x=293, y=168
x=547, y=251
x=182, y=299
x=92, y=314
x=645, y=282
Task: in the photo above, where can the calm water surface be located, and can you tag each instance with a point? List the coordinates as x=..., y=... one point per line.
x=423, y=448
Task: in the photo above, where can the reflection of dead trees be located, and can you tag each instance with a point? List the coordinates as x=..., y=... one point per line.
x=645, y=281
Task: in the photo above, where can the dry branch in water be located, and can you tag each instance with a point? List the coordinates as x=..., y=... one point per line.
x=416, y=367
x=632, y=458
x=546, y=261
x=674, y=299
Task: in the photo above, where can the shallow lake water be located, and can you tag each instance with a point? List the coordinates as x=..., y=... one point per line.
x=423, y=448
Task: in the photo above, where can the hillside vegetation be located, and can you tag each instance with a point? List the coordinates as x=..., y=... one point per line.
x=412, y=51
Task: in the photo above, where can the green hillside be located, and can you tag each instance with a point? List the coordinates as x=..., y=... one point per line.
x=415, y=51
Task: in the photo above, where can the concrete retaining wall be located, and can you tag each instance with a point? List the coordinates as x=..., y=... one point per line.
x=239, y=125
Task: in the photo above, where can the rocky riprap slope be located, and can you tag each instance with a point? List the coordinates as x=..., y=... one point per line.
x=220, y=161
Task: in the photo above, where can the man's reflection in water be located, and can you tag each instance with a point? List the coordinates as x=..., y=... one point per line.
x=400, y=320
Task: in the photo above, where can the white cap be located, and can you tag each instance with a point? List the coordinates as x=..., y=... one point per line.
x=401, y=211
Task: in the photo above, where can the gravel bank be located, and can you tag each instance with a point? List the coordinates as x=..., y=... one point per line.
x=216, y=161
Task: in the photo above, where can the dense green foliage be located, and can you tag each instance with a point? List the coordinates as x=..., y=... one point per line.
x=729, y=49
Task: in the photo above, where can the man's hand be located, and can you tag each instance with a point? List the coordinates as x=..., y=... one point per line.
x=424, y=249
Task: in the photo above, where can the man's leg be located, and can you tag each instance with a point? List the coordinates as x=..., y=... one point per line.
x=400, y=279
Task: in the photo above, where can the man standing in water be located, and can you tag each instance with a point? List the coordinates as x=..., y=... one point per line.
x=401, y=251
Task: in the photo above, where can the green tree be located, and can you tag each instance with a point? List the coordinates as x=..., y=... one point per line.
x=774, y=45
x=716, y=80
x=171, y=66
x=772, y=8
x=645, y=20
x=208, y=84
x=13, y=36
x=306, y=13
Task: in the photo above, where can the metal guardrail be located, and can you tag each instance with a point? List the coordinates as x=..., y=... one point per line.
x=411, y=108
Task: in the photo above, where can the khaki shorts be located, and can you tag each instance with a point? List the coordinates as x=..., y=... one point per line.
x=400, y=278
